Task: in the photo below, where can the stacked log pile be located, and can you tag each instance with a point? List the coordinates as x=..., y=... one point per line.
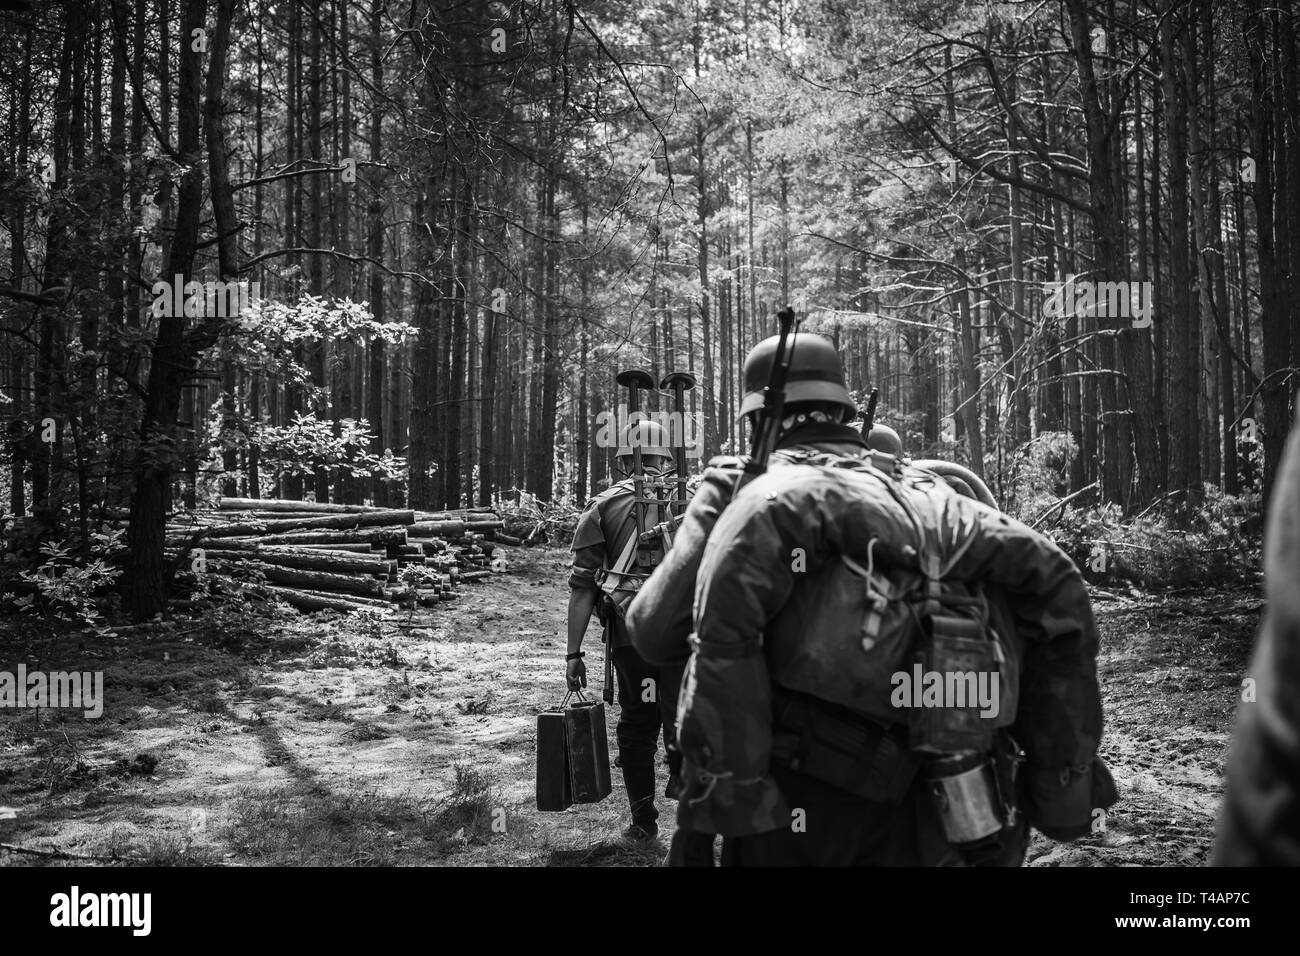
x=318, y=556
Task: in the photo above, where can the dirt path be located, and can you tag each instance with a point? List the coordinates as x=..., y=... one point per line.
x=308, y=742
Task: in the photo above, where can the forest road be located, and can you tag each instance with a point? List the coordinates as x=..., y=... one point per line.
x=329, y=741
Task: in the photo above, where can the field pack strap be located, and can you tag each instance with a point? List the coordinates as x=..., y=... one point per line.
x=619, y=575
x=933, y=584
x=614, y=576
x=879, y=594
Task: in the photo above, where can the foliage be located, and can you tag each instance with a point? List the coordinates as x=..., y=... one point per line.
x=275, y=324
x=369, y=621
x=66, y=587
x=1037, y=476
x=1165, y=548
x=531, y=520
x=304, y=446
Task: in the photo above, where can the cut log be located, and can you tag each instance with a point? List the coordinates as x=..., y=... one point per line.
x=342, y=522
x=242, y=545
x=278, y=504
x=305, y=601
x=319, y=556
x=509, y=539
x=353, y=549
x=264, y=516
x=449, y=529
x=379, y=602
x=341, y=563
x=314, y=580
x=380, y=536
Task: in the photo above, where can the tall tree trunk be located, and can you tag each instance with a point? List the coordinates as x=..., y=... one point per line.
x=155, y=461
x=1273, y=313
x=375, y=250
x=1184, y=384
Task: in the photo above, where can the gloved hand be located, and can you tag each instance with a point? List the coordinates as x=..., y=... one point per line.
x=575, y=673
x=1063, y=803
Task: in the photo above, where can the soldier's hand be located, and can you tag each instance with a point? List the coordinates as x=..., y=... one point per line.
x=575, y=673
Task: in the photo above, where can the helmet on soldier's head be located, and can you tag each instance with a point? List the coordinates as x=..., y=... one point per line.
x=816, y=374
x=649, y=435
x=885, y=439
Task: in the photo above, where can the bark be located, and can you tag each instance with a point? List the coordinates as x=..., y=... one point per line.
x=145, y=587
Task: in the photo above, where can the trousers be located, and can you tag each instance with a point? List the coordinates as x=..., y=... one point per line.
x=831, y=827
x=640, y=721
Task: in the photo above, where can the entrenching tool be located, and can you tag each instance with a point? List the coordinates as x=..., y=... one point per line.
x=634, y=379
x=679, y=382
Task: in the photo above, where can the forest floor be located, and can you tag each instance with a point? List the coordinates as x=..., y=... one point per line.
x=302, y=741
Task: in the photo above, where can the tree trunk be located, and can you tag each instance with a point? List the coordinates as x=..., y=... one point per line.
x=145, y=587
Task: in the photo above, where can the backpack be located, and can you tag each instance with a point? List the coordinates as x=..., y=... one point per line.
x=886, y=635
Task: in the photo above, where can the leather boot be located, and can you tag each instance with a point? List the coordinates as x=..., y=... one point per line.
x=639, y=780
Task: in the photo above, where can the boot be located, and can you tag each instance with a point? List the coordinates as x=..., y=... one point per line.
x=640, y=783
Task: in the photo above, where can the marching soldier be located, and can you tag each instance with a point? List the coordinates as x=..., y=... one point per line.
x=659, y=619
x=1259, y=824
x=819, y=586
x=604, y=577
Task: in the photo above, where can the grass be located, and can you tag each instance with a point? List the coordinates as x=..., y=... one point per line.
x=286, y=827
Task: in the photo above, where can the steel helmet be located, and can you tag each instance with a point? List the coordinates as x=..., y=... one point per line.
x=883, y=438
x=649, y=435
x=816, y=374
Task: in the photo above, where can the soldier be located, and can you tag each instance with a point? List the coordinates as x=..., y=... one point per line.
x=659, y=618
x=1259, y=824
x=603, y=578
x=795, y=749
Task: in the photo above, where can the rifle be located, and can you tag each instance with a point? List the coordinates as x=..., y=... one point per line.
x=767, y=427
x=869, y=416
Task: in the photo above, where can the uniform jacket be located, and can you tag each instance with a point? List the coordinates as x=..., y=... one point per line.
x=1260, y=821
x=660, y=617
x=603, y=530
x=747, y=578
